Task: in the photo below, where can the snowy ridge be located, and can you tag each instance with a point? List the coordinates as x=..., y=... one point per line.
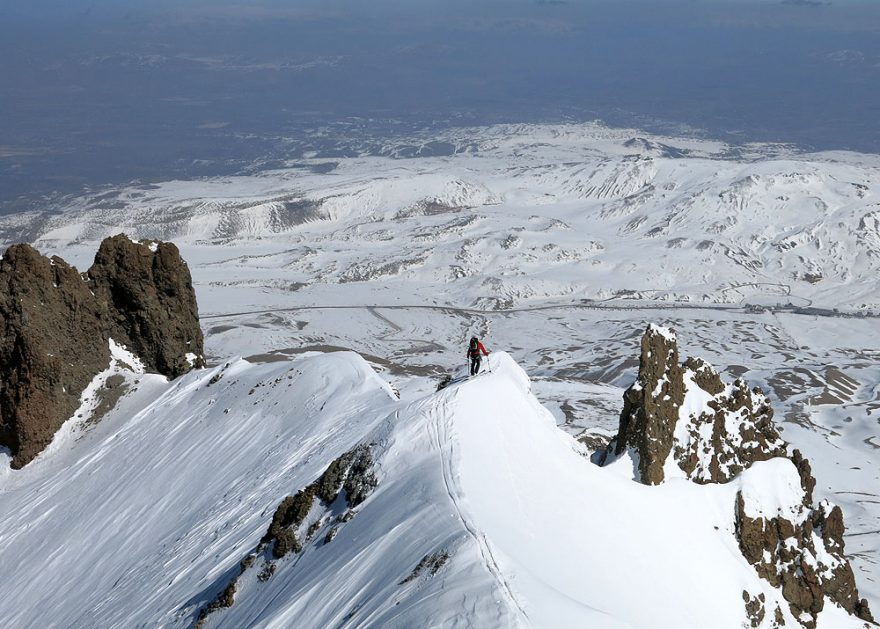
x=135, y=516
x=462, y=528
x=557, y=243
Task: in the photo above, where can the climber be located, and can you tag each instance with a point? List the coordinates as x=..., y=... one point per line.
x=474, y=349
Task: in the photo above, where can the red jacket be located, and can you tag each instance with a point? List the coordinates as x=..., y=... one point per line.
x=480, y=348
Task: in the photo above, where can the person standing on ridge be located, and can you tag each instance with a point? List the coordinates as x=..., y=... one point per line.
x=474, y=349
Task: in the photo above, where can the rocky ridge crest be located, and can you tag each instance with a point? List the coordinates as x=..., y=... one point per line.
x=56, y=325
x=682, y=420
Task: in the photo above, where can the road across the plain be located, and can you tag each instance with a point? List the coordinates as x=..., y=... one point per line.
x=736, y=309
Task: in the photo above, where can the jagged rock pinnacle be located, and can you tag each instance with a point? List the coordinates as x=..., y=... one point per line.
x=56, y=327
x=54, y=341
x=677, y=414
x=651, y=405
x=684, y=420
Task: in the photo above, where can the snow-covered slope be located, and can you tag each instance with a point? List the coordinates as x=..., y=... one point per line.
x=143, y=519
x=521, y=213
x=121, y=523
x=556, y=243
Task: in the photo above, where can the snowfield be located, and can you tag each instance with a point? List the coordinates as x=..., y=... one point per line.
x=117, y=521
x=341, y=280
x=521, y=213
x=141, y=520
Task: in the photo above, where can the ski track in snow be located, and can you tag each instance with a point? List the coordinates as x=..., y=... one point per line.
x=440, y=426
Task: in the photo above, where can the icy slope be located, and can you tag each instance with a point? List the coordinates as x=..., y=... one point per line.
x=483, y=514
x=585, y=546
x=567, y=543
x=411, y=555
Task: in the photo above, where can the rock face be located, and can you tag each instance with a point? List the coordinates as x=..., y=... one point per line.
x=649, y=404
x=686, y=416
x=148, y=292
x=683, y=420
x=803, y=556
x=734, y=429
x=56, y=326
x=54, y=341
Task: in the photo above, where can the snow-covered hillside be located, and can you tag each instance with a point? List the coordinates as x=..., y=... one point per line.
x=522, y=213
x=483, y=513
x=555, y=243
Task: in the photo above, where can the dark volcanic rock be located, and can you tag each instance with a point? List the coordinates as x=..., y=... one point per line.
x=714, y=449
x=650, y=406
x=804, y=558
x=54, y=341
x=687, y=417
x=351, y=475
x=703, y=443
x=223, y=600
x=348, y=480
x=148, y=291
x=56, y=327
x=808, y=483
x=704, y=375
x=754, y=608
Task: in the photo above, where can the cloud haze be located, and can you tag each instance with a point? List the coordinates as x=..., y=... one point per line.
x=125, y=89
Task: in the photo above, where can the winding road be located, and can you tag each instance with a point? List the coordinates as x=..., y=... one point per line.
x=585, y=305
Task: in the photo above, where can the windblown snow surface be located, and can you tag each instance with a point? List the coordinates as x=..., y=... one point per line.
x=141, y=520
x=554, y=243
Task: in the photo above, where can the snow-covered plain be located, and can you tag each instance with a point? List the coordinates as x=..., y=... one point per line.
x=555, y=243
x=516, y=214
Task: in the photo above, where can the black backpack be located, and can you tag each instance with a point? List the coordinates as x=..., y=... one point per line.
x=475, y=345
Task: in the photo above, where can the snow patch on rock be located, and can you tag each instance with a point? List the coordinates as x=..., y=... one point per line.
x=772, y=489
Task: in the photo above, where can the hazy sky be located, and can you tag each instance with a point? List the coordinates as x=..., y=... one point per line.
x=70, y=8
x=114, y=90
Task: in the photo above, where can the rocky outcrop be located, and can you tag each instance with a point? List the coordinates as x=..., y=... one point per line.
x=147, y=291
x=56, y=326
x=650, y=403
x=350, y=475
x=733, y=431
x=54, y=341
x=683, y=420
x=323, y=506
x=685, y=416
x=429, y=565
x=803, y=556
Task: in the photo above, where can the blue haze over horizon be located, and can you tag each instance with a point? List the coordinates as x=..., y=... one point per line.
x=106, y=92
